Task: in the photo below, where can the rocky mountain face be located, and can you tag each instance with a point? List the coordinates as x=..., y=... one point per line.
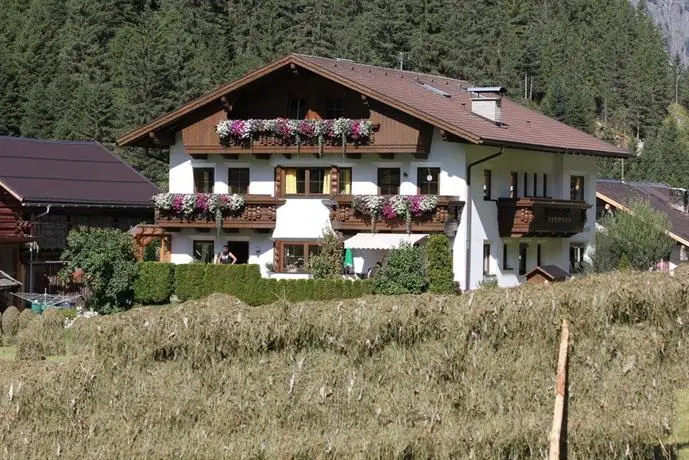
x=672, y=16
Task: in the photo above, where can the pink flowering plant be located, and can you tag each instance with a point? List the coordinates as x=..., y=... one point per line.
x=233, y=132
x=396, y=207
x=187, y=205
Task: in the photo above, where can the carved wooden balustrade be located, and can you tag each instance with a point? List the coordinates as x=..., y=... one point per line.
x=344, y=216
x=259, y=212
x=531, y=216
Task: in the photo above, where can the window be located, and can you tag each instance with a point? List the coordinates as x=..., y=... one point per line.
x=514, y=184
x=238, y=180
x=344, y=181
x=307, y=181
x=576, y=188
x=389, y=181
x=683, y=256
x=522, y=258
x=538, y=255
x=486, y=259
x=334, y=107
x=295, y=256
x=204, y=180
x=297, y=108
x=535, y=184
x=576, y=259
x=545, y=185
x=428, y=180
x=202, y=251
x=505, y=258
x=526, y=184
x=487, y=183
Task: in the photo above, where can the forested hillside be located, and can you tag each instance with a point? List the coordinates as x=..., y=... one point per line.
x=86, y=69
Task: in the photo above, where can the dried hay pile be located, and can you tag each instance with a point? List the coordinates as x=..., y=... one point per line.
x=417, y=377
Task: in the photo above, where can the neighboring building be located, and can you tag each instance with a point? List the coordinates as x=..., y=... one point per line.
x=514, y=188
x=47, y=188
x=615, y=195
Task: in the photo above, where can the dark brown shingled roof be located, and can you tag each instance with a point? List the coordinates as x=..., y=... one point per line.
x=550, y=272
x=657, y=195
x=403, y=90
x=70, y=172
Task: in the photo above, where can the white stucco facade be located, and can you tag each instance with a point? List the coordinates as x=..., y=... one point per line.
x=452, y=158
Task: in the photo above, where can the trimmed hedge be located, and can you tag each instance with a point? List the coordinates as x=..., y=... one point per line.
x=193, y=281
x=154, y=283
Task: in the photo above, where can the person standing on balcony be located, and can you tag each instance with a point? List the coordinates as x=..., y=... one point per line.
x=225, y=257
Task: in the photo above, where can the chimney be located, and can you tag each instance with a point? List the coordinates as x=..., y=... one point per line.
x=679, y=199
x=486, y=102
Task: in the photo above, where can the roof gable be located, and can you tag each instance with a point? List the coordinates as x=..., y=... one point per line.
x=448, y=108
x=70, y=172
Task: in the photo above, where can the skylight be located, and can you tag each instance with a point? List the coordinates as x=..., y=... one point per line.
x=433, y=89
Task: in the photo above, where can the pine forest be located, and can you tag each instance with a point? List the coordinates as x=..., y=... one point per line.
x=84, y=69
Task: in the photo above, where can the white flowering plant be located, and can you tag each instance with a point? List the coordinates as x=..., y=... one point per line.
x=395, y=207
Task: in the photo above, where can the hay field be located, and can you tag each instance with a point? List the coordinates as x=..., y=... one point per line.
x=379, y=377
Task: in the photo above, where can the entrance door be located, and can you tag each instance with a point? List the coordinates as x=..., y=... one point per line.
x=240, y=249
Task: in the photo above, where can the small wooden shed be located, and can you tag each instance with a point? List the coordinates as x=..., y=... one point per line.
x=547, y=274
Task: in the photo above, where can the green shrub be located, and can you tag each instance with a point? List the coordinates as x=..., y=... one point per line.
x=328, y=263
x=106, y=256
x=404, y=272
x=25, y=318
x=189, y=280
x=10, y=322
x=68, y=313
x=440, y=274
x=154, y=283
x=42, y=337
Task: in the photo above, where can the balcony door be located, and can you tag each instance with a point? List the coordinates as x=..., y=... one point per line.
x=240, y=249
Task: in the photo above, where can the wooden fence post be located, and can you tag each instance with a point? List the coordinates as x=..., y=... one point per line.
x=560, y=391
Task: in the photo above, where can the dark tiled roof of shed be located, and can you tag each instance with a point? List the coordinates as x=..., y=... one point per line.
x=70, y=172
x=552, y=272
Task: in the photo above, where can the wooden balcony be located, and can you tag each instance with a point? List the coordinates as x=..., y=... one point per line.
x=344, y=216
x=259, y=213
x=546, y=217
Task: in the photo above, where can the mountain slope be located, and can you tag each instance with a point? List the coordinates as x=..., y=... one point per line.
x=672, y=16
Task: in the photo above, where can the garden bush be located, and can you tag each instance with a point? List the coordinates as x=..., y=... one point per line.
x=42, y=337
x=154, y=283
x=328, y=263
x=106, y=257
x=440, y=275
x=10, y=322
x=404, y=272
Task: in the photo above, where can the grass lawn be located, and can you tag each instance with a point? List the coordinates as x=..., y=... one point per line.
x=7, y=352
x=681, y=425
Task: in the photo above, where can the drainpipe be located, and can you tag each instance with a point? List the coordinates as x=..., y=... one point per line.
x=467, y=268
x=47, y=211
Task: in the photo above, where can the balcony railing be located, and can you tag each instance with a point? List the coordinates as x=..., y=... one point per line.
x=519, y=217
x=258, y=212
x=344, y=216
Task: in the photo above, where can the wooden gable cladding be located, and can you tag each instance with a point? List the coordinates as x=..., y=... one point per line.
x=13, y=228
x=271, y=96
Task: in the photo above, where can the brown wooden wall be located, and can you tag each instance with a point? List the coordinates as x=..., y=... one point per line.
x=269, y=98
x=10, y=216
